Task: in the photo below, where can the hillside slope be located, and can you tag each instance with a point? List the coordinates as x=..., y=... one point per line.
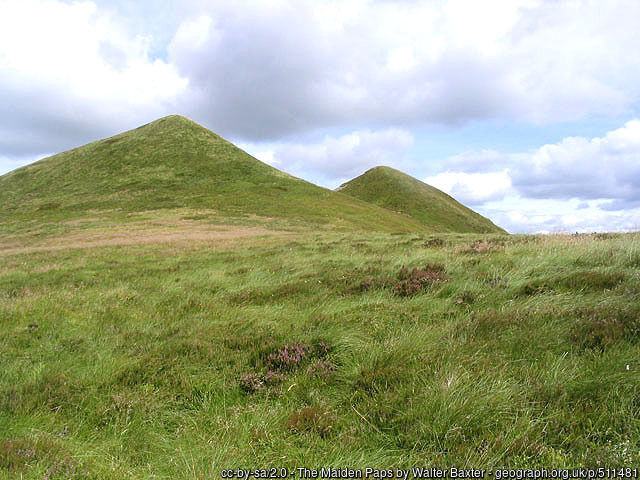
x=174, y=163
x=397, y=191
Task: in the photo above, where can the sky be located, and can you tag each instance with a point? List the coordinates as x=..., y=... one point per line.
x=527, y=111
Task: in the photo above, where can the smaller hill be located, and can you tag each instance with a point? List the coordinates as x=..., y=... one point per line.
x=397, y=191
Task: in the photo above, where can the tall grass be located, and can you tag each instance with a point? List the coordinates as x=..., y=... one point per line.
x=128, y=362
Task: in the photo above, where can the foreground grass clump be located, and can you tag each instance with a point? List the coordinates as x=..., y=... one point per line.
x=176, y=360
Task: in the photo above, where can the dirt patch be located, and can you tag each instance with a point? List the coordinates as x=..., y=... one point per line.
x=81, y=221
x=150, y=236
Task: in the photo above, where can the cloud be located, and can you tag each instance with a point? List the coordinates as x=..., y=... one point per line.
x=69, y=72
x=261, y=71
x=264, y=70
x=473, y=188
x=617, y=205
x=336, y=159
x=577, y=184
x=554, y=216
x=479, y=161
x=577, y=167
x=605, y=167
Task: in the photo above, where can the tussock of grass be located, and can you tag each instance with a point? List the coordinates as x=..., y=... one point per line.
x=42, y=455
x=315, y=420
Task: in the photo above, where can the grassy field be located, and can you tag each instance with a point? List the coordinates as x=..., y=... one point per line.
x=176, y=359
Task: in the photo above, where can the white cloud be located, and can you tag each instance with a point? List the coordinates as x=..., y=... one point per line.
x=192, y=33
x=583, y=184
x=472, y=188
x=262, y=70
x=67, y=70
x=367, y=62
x=577, y=167
x=596, y=168
x=520, y=215
x=335, y=159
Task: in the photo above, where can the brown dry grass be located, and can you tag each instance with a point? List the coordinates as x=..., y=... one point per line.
x=179, y=233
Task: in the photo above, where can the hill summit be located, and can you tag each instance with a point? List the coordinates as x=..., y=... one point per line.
x=399, y=192
x=174, y=163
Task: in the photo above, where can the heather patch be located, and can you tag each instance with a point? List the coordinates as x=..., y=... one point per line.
x=480, y=247
x=368, y=284
x=601, y=328
x=252, y=382
x=288, y=358
x=434, y=242
x=407, y=282
x=26, y=455
x=321, y=368
x=277, y=365
x=411, y=282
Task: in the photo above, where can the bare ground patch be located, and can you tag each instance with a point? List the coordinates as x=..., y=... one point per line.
x=185, y=233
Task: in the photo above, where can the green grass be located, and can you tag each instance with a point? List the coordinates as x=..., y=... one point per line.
x=399, y=192
x=138, y=344
x=175, y=164
x=136, y=361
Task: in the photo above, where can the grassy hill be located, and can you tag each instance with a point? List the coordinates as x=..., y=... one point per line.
x=174, y=163
x=397, y=191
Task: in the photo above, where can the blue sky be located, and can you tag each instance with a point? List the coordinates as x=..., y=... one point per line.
x=525, y=110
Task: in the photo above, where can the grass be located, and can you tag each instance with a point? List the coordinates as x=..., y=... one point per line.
x=175, y=360
x=174, y=164
x=399, y=192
